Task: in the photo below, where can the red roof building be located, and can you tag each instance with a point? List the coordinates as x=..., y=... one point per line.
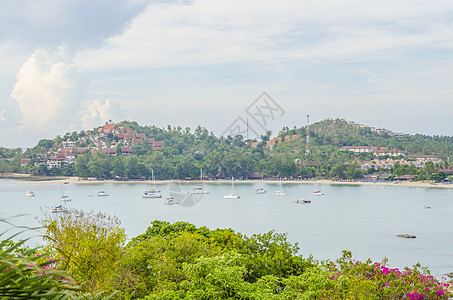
x=126, y=150
x=24, y=161
x=111, y=151
x=158, y=144
x=81, y=150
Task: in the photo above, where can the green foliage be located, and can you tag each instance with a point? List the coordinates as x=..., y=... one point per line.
x=154, y=261
x=270, y=254
x=89, y=245
x=182, y=261
x=185, y=153
x=220, y=277
x=25, y=275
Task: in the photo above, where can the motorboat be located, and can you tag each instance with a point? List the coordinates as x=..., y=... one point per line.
x=198, y=190
x=65, y=198
x=232, y=195
x=260, y=191
x=171, y=200
x=151, y=194
x=302, y=201
x=102, y=194
x=317, y=193
x=30, y=194
x=280, y=193
x=57, y=209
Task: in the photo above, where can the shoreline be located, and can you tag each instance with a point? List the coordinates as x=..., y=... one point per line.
x=27, y=179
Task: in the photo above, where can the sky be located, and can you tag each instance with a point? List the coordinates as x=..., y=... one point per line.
x=73, y=65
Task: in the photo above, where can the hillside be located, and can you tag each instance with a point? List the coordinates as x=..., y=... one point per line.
x=338, y=133
x=127, y=150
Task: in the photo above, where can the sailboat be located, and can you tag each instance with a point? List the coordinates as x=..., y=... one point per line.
x=261, y=190
x=65, y=196
x=154, y=191
x=232, y=195
x=199, y=189
x=282, y=191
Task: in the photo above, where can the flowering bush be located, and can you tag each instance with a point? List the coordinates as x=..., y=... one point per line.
x=385, y=282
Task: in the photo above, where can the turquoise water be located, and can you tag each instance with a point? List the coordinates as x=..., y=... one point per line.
x=362, y=219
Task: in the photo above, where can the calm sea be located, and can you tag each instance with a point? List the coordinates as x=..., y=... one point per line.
x=362, y=219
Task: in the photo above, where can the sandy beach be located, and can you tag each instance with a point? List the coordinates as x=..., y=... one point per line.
x=76, y=180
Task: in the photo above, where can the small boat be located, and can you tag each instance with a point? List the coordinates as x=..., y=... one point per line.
x=317, y=193
x=65, y=195
x=151, y=194
x=260, y=191
x=232, y=195
x=30, y=194
x=198, y=190
x=154, y=189
x=171, y=200
x=57, y=209
x=427, y=206
x=282, y=191
x=102, y=194
x=302, y=201
x=65, y=198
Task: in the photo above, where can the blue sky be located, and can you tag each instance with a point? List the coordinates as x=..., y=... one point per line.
x=72, y=65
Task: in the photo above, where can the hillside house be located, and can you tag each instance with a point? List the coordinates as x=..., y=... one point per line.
x=111, y=151
x=24, y=162
x=358, y=149
x=126, y=150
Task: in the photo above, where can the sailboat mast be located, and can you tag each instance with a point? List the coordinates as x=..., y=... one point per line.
x=232, y=185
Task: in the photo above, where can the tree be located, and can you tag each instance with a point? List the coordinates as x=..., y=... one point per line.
x=89, y=244
x=99, y=165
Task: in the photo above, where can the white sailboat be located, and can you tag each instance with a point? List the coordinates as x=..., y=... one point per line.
x=30, y=194
x=65, y=195
x=153, y=192
x=232, y=195
x=154, y=189
x=261, y=190
x=199, y=189
x=282, y=191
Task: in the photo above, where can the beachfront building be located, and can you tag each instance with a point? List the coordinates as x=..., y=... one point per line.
x=381, y=151
x=358, y=149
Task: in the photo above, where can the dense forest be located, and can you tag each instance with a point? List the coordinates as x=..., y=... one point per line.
x=185, y=153
x=86, y=256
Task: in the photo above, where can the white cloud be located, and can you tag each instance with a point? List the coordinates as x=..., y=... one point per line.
x=216, y=32
x=100, y=111
x=47, y=90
